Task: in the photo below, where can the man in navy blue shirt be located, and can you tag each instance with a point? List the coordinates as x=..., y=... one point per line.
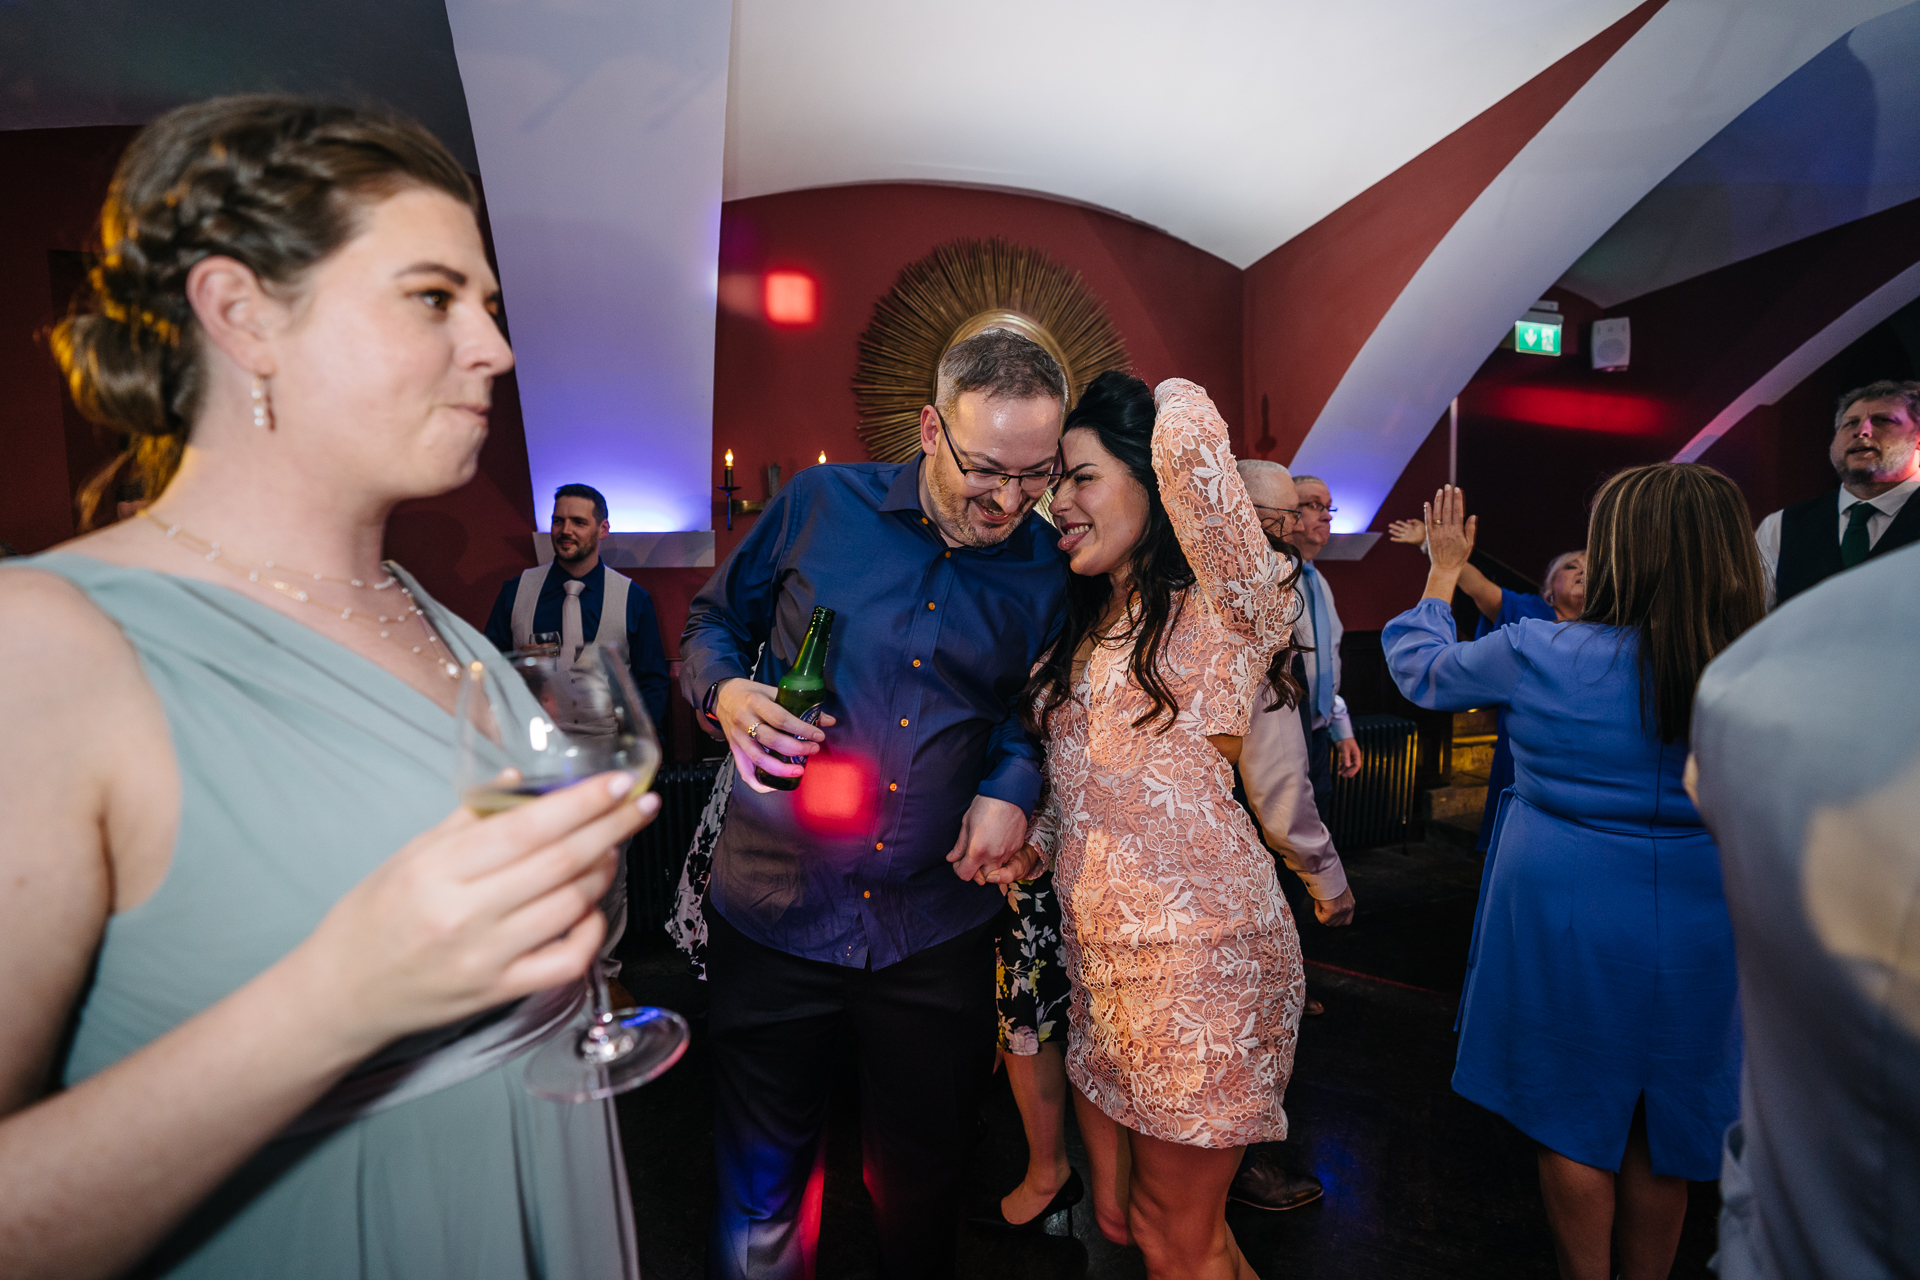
x=945, y=594
x=541, y=601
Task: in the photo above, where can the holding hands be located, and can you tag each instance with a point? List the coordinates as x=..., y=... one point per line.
x=992, y=833
x=1025, y=864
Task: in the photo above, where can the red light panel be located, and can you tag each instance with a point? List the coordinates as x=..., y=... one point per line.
x=837, y=796
x=1608, y=412
x=791, y=298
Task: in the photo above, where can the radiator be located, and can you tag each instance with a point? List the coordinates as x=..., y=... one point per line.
x=657, y=853
x=1375, y=806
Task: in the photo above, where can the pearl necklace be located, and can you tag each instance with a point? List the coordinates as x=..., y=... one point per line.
x=382, y=624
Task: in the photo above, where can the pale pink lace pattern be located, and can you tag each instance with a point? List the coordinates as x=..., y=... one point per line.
x=1185, y=964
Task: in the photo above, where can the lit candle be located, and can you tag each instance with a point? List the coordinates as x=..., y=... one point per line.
x=729, y=480
x=823, y=457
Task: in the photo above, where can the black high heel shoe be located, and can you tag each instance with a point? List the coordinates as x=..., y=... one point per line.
x=1071, y=1193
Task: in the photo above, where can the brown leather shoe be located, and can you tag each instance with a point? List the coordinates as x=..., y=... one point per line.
x=1265, y=1185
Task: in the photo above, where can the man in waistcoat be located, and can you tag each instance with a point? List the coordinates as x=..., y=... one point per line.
x=1873, y=453
x=571, y=599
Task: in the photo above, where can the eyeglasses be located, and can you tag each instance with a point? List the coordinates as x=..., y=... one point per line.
x=1288, y=514
x=1032, y=483
x=1312, y=507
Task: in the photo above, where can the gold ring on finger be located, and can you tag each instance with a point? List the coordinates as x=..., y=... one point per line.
x=754, y=731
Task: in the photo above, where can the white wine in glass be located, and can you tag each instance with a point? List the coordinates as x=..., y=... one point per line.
x=540, y=725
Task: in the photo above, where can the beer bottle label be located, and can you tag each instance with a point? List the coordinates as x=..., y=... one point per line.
x=810, y=716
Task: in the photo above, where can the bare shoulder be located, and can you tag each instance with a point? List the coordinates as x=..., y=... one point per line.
x=64, y=668
x=87, y=752
x=63, y=664
x=49, y=627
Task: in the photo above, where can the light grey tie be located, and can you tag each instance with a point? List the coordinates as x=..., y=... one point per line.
x=570, y=637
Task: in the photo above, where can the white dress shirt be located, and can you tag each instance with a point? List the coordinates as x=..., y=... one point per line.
x=1273, y=769
x=1339, y=721
x=1885, y=508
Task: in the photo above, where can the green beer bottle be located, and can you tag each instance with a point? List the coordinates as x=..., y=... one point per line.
x=802, y=688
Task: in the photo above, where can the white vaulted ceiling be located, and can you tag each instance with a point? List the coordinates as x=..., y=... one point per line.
x=1233, y=124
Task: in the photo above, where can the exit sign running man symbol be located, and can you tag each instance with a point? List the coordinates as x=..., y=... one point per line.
x=1536, y=338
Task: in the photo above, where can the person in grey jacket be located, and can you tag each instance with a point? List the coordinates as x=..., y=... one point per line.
x=1807, y=769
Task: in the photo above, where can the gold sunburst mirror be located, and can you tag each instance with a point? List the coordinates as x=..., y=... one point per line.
x=961, y=289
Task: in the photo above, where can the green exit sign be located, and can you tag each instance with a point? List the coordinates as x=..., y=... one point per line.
x=1537, y=336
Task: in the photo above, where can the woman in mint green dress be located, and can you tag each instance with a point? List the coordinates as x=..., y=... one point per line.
x=268, y=1001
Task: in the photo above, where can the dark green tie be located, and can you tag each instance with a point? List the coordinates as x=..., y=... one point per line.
x=1853, y=543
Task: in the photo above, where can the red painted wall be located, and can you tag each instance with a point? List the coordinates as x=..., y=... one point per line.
x=57, y=181
x=783, y=394
x=1312, y=303
x=1538, y=435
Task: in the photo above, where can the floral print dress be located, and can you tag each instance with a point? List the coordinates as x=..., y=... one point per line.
x=1181, y=952
x=1029, y=974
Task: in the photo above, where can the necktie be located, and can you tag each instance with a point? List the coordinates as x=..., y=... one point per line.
x=1322, y=659
x=1853, y=544
x=570, y=638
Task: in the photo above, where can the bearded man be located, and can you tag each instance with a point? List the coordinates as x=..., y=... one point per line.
x=1873, y=452
x=570, y=598
x=853, y=897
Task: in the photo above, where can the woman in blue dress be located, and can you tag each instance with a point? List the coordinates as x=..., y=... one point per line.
x=1599, y=1014
x=1561, y=600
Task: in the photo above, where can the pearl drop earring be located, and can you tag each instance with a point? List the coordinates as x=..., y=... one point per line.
x=261, y=407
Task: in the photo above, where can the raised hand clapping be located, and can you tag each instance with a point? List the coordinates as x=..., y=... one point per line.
x=1450, y=529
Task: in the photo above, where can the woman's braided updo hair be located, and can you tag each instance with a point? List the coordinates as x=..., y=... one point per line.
x=275, y=183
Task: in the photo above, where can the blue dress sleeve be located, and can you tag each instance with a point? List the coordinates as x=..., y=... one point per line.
x=1514, y=606
x=1437, y=671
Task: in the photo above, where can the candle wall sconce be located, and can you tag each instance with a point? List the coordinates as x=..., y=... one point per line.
x=728, y=488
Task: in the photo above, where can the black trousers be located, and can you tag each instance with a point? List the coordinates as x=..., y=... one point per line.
x=924, y=1029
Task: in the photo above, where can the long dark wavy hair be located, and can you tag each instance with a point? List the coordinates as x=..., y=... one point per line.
x=1118, y=408
x=1670, y=555
x=1288, y=691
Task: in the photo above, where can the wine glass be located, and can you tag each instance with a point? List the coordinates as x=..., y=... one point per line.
x=531, y=723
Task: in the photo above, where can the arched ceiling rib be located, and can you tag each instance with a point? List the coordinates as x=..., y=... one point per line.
x=1823, y=346
x=1837, y=140
x=1234, y=124
x=1690, y=71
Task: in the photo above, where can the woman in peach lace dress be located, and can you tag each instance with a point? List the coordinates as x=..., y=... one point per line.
x=1184, y=962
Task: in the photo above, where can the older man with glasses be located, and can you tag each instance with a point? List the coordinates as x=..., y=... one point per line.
x=1329, y=730
x=945, y=594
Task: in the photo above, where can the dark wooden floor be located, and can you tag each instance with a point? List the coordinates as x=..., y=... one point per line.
x=1420, y=1183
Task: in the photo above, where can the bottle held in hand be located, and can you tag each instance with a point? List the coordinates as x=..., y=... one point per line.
x=802, y=688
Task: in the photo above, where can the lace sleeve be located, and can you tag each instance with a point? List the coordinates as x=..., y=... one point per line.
x=1212, y=515
x=1044, y=831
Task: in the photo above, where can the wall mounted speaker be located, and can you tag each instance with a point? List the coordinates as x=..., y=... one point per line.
x=1612, y=345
